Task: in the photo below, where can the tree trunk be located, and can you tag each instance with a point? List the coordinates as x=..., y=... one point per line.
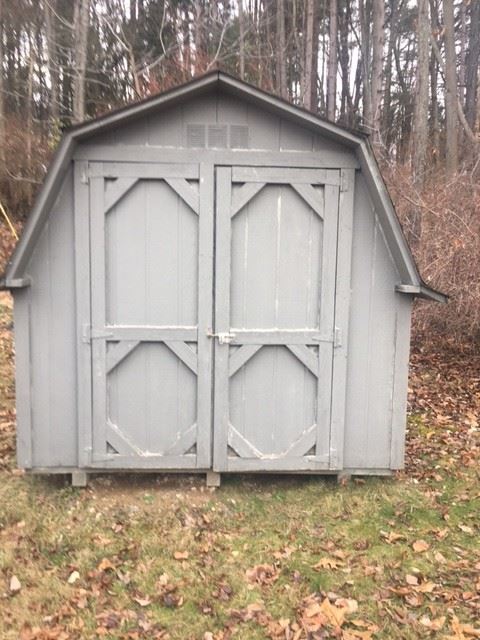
x=241, y=26
x=332, y=61
x=346, y=100
x=451, y=89
x=378, y=37
x=52, y=61
x=308, y=66
x=463, y=51
x=281, y=64
x=365, y=62
x=199, y=37
x=471, y=65
x=388, y=110
x=316, y=35
x=435, y=118
x=420, y=118
x=80, y=26
x=2, y=90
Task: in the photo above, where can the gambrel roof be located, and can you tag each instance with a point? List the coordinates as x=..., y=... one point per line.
x=412, y=282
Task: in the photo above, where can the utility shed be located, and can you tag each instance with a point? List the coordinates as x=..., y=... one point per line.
x=212, y=280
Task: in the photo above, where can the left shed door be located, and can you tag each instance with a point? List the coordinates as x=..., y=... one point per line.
x=151, y=230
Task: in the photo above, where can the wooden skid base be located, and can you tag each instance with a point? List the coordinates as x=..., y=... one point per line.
x=213, y=479
x=79, y=478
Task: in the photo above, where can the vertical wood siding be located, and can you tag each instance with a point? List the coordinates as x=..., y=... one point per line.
x=53, y=337
x=266, y=131
x=372, y=341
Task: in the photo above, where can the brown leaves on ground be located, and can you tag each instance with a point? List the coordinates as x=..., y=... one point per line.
x=444, y=389
x=319, y=616
x=262, y=574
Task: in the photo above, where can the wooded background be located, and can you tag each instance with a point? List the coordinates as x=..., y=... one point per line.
x=405, y=71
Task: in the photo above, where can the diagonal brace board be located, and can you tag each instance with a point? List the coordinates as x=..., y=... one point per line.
x=303, y=443
x=186, y=192
x=119, y=352
x=241, y=357
x=118, y=189
x=311, y=196
x=246, y=449
x=241, y=445
x=184, y=442
x=243, y=195
x=186, y=355
x=306, y=357
x=119, y=441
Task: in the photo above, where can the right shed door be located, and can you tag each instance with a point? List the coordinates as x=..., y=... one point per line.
x=275, y=271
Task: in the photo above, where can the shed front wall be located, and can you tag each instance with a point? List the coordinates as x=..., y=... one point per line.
x=377, y=359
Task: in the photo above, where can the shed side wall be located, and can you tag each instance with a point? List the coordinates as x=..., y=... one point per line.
x=52, y=337
x=379, y=326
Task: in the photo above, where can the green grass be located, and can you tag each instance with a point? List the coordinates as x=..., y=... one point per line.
x=134, y=525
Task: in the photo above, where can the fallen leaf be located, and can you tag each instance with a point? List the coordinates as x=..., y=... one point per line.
x=262, y=574
x=73, y=577
x=419, y=546
x=328, y=563
x=426, y=587
x=391, y=536
x=461, y=630
x=439, y=557
x=465, y=529
x=335, y=615
x=349, y=604
x=181, y=555
x=106, y=565
x=434, y=625
x=15, y=585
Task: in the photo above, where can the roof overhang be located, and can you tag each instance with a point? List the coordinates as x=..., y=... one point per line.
x=411, y=282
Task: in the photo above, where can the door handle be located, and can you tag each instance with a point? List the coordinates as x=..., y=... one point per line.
x=223, y=337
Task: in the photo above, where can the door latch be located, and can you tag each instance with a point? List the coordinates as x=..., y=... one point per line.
x=223, y=338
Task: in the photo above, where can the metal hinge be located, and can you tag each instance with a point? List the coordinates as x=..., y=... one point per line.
x=89, y=334
x=223, y=338
x=336, y=338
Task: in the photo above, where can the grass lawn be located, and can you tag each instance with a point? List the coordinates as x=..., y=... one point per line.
x=294, y=558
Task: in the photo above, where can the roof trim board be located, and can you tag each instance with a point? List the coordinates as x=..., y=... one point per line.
x=14, y=276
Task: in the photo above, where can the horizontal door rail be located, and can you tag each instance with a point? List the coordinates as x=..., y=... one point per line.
x=143, y=170
x=150, y=334
x=282, y=175
x=277, y=336
x=325, y=158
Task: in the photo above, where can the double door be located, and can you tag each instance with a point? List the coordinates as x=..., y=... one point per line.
x=211, y=321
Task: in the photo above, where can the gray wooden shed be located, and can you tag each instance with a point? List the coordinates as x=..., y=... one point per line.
x=212, y=280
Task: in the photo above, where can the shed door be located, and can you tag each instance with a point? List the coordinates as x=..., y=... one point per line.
x=151, y=273
x=276, y=247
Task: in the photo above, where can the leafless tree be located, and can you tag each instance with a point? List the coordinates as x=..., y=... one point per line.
x=332, y=61
x=80, y=26
x=420, y=123
x=451, y=96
